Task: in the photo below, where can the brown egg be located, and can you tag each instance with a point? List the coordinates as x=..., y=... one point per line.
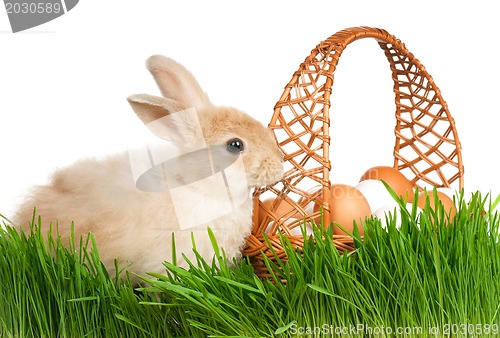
x=448, y=205
x=393, y=177
x=283, y=209
x=348, y=205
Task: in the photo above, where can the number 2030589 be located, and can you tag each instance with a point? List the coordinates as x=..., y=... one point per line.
x=470, y=329
x=33, y=8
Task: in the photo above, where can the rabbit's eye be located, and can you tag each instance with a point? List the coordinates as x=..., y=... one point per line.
x=235, y=146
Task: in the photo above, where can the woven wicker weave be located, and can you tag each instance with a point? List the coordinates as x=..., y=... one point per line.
x=427, y=150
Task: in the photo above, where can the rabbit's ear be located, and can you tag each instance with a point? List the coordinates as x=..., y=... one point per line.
x=176, y=82
x=169, y=119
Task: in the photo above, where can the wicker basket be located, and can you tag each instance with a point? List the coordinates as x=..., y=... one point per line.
x=427, y=150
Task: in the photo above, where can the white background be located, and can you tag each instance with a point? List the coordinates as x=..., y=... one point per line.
x=63, y=84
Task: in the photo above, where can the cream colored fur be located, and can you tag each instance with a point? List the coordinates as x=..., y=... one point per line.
x=135, y=226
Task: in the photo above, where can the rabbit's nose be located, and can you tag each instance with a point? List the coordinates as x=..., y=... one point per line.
x=280, y=154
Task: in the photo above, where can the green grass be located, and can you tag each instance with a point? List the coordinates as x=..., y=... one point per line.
x=431, y=274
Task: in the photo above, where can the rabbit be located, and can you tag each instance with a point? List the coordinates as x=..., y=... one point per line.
x=135, y=225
